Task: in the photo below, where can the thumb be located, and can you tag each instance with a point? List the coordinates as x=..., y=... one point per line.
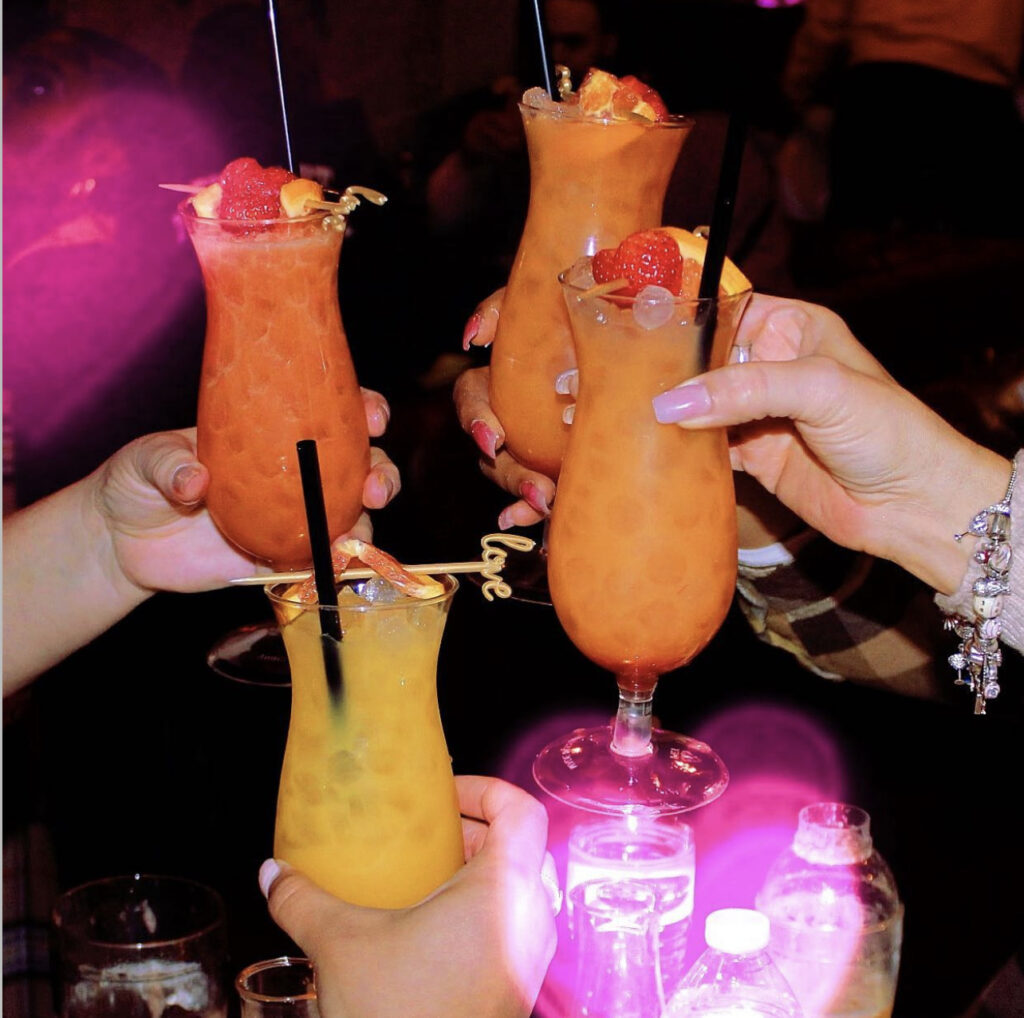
x=168, y=462
x=296, y=904
x=806, y=390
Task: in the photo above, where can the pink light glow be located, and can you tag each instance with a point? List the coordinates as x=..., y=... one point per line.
x=780, y=759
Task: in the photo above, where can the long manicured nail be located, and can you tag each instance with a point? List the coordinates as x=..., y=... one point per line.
x=682, y=403
x=563, y=383
x=505, y=521
x=485, y=438
x=269, y=872
x=471, y=329
x=534, y=497
x=182, y=479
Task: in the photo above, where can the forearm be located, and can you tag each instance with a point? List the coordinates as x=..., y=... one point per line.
x=62, y=586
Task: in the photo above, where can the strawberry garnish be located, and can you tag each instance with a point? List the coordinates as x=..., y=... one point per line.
x=251, y=191
x=647, y=258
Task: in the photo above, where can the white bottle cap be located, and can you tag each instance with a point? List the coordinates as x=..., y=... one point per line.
x=737, y=930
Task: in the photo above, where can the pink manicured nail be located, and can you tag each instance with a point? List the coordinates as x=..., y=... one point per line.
x=269, y=872
x=682, y=403
x=534, y=497
x=183, y=478
x=471, y=329
x=505, y=521
x=485, y=438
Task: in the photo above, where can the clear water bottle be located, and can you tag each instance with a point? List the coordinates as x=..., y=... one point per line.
x=836, y=917
x=735, y=977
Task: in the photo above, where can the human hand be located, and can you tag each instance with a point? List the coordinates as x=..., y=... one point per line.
x=821, y=424
x=478, y=945
x=150, y=493
x=535, y=491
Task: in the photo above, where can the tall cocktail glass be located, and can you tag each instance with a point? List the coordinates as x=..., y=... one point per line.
x=592, y=182
x=276, y=370
x=367, y=806
x=642, y=552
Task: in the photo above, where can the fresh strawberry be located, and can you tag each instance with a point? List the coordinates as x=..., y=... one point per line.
x=647, y=258
x=251, y=191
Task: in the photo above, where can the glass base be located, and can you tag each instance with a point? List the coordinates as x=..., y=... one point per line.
x=253, y=654
x=680, y=774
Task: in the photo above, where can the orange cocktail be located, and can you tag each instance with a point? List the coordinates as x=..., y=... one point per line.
x=276, y=370
x=642, y=546
x=592, y=182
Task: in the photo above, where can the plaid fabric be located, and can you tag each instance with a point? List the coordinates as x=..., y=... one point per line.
x=846, y=615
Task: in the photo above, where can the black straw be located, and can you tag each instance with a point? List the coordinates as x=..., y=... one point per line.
x=323, y=565
x=272, y=14
x=541, y=35
x=721, y=224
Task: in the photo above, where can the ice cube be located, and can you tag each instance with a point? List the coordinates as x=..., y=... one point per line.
x=377, y=590
x=538, y=99
x=654, y=307
x=581, y=273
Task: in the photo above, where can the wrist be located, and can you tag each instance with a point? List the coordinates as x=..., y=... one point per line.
x=924, y=541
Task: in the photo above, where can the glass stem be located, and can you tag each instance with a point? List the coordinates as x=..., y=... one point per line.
x=632, y=729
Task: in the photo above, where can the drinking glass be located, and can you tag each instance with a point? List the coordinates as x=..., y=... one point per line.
x=656, y=852
x=367, y=806
x=617, y=967
x=642, y=555
x=276, y=369
x=151, y=945
x=592, y=182
x=278, y=988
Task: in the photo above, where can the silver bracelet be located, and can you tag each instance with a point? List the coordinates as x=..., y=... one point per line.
x=978, y=657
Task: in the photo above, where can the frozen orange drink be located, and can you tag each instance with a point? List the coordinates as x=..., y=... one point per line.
x=597, y=173
x=642, y=548
x=276, y=370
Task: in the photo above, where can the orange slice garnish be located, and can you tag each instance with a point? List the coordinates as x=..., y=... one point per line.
x=691, y=246
x=415, y=585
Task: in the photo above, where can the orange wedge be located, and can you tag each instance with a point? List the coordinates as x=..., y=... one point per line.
x=415, y=585
x=693, y=247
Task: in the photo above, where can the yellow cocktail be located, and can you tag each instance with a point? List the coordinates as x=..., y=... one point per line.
x=367, y=805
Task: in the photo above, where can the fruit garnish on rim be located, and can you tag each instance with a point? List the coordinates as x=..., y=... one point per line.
x=247, y=191
x=344, y=552
x=604, y=96
x=669, y=257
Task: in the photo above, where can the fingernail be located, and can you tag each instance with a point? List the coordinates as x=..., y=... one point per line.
x=471, y=329
x=505, y=521
x=387, y=483
x=562, y=382
x=269, y=872
x=182, y=478
x=568, y=413
x=534, y=497
x=485, y=438
x=549, y=878
x=385, y=408
x=682, y=403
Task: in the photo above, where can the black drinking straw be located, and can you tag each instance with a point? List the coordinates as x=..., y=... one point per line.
x=272, y=14
x=323, y=566
x=721, y=224
x=541, y=35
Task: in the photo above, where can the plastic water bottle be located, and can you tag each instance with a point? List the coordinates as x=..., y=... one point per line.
x=735, y=977
x=836, y=917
